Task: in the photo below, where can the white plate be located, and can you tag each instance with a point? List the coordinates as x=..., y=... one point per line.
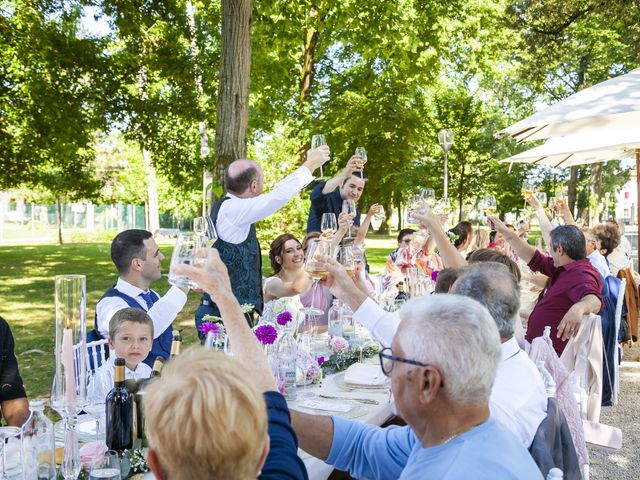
x=357, y=410
x=342, y=385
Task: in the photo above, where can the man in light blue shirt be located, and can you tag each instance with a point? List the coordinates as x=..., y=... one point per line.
x=442, y=364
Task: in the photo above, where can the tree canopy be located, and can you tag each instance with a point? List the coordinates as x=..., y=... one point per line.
x=383, y=75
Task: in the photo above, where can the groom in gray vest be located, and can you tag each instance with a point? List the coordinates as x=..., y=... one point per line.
x=234, y=216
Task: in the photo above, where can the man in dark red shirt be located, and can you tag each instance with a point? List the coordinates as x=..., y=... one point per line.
x=574, y=287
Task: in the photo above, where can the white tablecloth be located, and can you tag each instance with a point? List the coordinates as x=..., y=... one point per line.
x=376, y=415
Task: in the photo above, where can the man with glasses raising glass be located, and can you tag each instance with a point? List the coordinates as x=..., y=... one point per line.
x=444, y=399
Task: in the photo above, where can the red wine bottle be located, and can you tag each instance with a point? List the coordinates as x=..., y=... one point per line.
x=119, y=413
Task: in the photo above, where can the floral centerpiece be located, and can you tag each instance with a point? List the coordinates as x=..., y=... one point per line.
x=344, y=355
x=213, y=323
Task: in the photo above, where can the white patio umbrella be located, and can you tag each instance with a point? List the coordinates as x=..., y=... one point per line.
x=605, y=117
x=580, y=149
x=611, y=105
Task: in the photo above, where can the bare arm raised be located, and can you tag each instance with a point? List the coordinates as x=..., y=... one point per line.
x=213, y=278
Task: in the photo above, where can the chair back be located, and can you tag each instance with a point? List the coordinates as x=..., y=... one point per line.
x=583, y=357
x=97, y=354
x=552, y=446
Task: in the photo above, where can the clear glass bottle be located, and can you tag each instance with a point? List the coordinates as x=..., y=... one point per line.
x=39, y=444
x=287, y=359
x=334, y=318
x=348, y=326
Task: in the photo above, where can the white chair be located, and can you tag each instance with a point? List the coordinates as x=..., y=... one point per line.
x=96, y=354
x=616, y=365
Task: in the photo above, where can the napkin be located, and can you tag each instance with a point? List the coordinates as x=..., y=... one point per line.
x=328, y=406
x=363, y=374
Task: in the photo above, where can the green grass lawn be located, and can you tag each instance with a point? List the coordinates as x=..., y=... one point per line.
x=27, y=296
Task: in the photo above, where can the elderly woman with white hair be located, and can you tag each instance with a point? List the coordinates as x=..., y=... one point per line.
x=442, y=364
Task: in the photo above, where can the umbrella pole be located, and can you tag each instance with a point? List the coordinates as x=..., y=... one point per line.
x=638, y=202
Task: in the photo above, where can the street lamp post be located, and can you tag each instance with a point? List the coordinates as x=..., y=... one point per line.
x=445, y=138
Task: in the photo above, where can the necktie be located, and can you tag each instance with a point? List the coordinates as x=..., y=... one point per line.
x=148, y=298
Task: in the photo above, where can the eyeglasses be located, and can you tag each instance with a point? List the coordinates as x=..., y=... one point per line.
x=388, y=360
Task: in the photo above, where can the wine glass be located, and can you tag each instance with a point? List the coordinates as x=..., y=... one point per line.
x=361, y=153
x=303, y=359
x=542, y=197
x=380, y=216
x=349, y=208
x=203, y=227
x=97, y=411
x=429, y=196
x=317, y=252
x=346, y=257
x=318, y=141
x=328, y=225
x=489, y=207
x=6, y=434
x=190, y=249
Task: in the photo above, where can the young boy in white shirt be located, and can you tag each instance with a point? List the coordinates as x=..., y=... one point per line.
x=130, y=337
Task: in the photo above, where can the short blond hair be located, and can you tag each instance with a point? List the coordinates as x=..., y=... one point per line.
x=206, y=418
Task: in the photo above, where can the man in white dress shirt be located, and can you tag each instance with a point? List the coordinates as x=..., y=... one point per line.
x=139, y=261
x=518, y=397
x=234, y=216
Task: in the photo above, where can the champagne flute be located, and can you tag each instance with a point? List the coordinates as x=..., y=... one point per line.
x=346, y=257
x=318, y=141
x=349, y=208
x=314, y=265
x=328, y=225
x=361, y=153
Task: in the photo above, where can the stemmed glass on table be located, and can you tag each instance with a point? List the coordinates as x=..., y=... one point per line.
x=317, y=252
x=349, y=209
x=361, y=153
x=318, y=141
x=305, y=341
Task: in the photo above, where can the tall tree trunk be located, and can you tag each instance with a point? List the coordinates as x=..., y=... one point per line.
x=202, y=125
x=153, y=216
x=595, y=186
x=59, y=211
x=384, y=225
x=307, y=69
x=233, y=90
x=573, y=191
x=399, y=208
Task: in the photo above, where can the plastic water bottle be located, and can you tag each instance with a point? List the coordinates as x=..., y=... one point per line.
x=39, y=444
x=334, y=318
x=287, y=356
x=555, y=474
